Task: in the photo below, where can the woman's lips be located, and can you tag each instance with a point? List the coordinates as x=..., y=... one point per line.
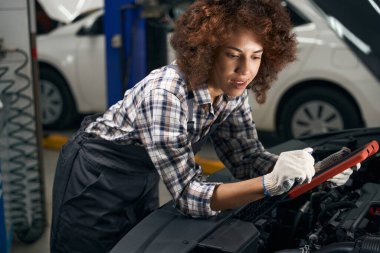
x=239, y=84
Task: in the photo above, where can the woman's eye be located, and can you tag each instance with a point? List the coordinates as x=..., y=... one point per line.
x=256, y=57
x=232, y=55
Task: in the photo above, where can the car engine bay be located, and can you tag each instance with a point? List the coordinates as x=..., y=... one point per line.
x=325, y=219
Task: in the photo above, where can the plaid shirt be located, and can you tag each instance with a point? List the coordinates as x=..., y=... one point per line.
x=154, y=113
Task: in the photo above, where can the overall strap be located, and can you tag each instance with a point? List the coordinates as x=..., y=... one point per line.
x=190, y=106
x=190, y=123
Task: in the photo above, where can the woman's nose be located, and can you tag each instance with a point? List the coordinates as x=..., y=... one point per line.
x=243, y=68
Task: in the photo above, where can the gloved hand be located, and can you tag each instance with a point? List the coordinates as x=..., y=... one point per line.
x=342, y=178
x=290, y=166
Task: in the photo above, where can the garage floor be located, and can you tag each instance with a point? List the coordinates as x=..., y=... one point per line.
x=50, y=156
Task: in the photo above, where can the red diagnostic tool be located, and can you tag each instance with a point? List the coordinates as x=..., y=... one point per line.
x=348, y=161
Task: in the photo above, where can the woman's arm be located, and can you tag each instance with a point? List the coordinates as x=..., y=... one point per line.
x=232, y=195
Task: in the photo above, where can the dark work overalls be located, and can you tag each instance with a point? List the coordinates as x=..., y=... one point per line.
x=101, y=190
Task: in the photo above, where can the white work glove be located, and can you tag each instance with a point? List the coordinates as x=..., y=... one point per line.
x=290, y=166
x=342, y=178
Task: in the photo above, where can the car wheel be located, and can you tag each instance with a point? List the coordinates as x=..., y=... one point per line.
x=317, y=110
x=57, y=104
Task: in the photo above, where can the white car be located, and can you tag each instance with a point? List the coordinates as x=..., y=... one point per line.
x=72, y=70
x=333, y=85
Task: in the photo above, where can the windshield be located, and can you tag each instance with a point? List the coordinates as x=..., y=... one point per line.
x=358, y=24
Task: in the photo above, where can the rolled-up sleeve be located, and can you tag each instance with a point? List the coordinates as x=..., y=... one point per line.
x=162, y=122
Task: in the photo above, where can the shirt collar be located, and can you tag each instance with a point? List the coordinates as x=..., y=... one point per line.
x=202, y=95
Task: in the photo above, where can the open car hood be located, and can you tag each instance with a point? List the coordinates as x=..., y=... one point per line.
x=67, y=10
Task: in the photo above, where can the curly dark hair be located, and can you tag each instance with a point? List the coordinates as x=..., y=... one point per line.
x=207, y=24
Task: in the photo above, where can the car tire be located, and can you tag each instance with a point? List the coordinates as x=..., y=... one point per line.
x=57, y=104
x=316, y=110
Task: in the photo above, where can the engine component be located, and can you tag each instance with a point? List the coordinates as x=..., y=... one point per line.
x=357, y=219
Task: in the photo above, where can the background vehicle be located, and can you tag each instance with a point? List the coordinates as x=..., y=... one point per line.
x=72, y=70
x=324, y=219
x=334, y=84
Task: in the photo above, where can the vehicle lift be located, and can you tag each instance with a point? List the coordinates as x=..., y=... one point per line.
x=135, y=43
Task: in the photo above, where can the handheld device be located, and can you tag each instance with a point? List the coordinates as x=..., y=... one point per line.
x=342, y=163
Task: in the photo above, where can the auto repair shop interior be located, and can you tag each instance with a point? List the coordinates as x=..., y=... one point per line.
x=63, y=60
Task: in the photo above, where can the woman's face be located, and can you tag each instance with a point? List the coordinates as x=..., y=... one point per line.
x=236, y=64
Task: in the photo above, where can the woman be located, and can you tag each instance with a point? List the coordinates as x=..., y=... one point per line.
x=107, y=174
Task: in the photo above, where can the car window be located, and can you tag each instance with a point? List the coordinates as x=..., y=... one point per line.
x=84, y=15
x=358, y=24
x=97, y=27
x=295, y=16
